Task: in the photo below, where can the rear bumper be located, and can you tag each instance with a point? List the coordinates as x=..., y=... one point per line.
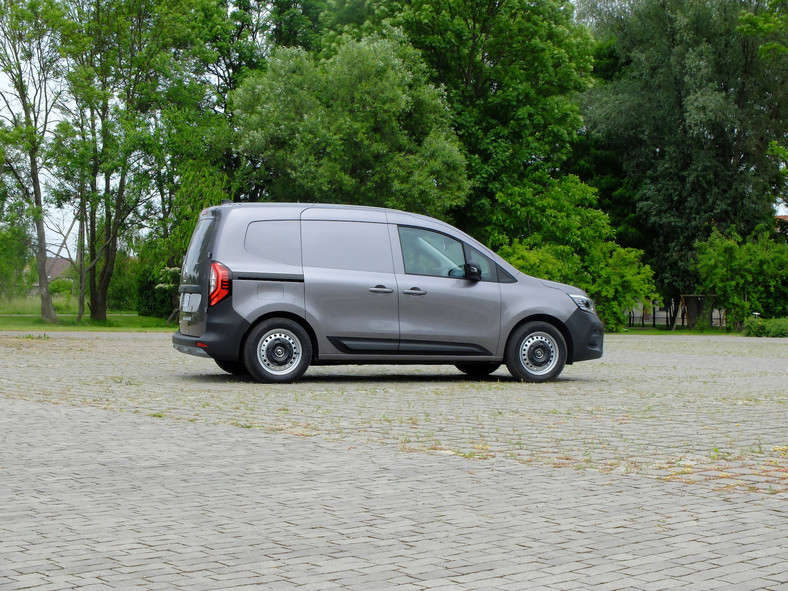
x=223, y=336
x=188, y=345
x=588, y=335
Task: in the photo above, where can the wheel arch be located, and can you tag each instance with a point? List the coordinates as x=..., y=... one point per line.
x=289, y=316
x=570, y=347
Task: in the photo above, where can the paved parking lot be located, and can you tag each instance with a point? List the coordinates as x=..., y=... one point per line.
x=124, y=464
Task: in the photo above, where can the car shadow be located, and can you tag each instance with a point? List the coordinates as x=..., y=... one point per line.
x=377, y=378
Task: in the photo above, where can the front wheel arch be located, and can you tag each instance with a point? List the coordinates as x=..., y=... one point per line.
x=560, y=326
x=536, y=351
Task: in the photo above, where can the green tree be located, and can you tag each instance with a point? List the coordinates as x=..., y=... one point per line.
x=134, y=92
x=362, y=126
x=565, y=238
x=295, y=23
x=745, y=276
x=770, y=29
x=511, y=69
x=15, y=252
x=690, y=110
x=30, y=61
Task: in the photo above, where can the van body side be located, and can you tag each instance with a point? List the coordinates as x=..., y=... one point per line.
x=272, y=288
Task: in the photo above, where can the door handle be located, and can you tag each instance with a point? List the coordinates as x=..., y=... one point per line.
x=381, y=289
x=415, y=291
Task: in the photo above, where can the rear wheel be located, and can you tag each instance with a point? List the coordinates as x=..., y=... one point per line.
x=234, y=367
x=536, y=352
x=478, y=370
x=277, y=350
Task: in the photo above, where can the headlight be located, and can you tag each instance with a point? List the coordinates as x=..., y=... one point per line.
x=584, y=303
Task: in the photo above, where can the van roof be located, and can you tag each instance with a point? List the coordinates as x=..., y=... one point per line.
x=297, y=209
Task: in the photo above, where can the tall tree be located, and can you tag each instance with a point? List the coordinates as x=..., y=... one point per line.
x=690, y=111
x=363, y=126
x=30, y=60
x=124, y=85
x=770, y=29
x=510, y=69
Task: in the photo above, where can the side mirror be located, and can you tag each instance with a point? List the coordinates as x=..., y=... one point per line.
x=473, y=271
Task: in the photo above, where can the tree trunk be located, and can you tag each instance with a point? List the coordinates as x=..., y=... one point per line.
x=47, y=308
x=81, y=258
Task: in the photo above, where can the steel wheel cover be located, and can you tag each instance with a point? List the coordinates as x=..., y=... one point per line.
x=279, y=352
x=539, y=353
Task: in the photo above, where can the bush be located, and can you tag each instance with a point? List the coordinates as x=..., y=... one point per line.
x=613, y=276
x=746, y=276
x=61, y=286
x=14, y=258
x=150, y=300
x=565, y=239
x=773, y=327
x=122, y=293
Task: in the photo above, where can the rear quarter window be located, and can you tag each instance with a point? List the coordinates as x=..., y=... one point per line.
x=275, y=240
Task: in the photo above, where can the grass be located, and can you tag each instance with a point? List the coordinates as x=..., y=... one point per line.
x=24, y=314
x=667, y=330
x=68, y=322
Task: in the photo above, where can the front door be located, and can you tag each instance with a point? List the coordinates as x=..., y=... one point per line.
x=440, y=311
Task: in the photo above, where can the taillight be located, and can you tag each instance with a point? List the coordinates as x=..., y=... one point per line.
x=220, y=283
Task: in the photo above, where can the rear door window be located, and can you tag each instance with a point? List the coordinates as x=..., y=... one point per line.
x=353, y=246
x=199, y=250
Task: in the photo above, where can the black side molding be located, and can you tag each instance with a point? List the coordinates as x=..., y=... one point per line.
x=292, y=277
x=394, y=347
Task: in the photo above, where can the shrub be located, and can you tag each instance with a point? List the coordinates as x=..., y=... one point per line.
x=61, y=286
x=746, y=276
x=122, y=293
x=773, y=327
x=150, y=300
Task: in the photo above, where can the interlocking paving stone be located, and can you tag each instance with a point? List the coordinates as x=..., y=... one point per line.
x=124, y=464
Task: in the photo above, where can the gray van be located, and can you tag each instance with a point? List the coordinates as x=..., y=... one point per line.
x=268, y=289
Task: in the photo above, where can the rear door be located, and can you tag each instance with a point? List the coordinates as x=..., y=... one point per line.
x=350, y=286
x=195, y=272
x=441, y=312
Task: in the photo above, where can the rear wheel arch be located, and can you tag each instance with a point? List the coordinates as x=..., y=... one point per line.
x=286, y=315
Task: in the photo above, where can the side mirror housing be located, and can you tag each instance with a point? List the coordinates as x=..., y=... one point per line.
x=473, y=271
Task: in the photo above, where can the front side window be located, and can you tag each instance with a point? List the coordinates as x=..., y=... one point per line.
x=425, y=252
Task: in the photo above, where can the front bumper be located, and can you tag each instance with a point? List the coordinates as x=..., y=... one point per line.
x=588, y=335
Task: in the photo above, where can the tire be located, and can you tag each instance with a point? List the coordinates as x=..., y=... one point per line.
x=536, y=352
x=277, y=350
x=479, y=369
x=233, y=367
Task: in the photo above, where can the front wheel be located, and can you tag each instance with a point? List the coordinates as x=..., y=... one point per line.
x=277, y=350
x=536, y=352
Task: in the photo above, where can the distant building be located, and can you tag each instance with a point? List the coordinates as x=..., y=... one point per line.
x=56, y=269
